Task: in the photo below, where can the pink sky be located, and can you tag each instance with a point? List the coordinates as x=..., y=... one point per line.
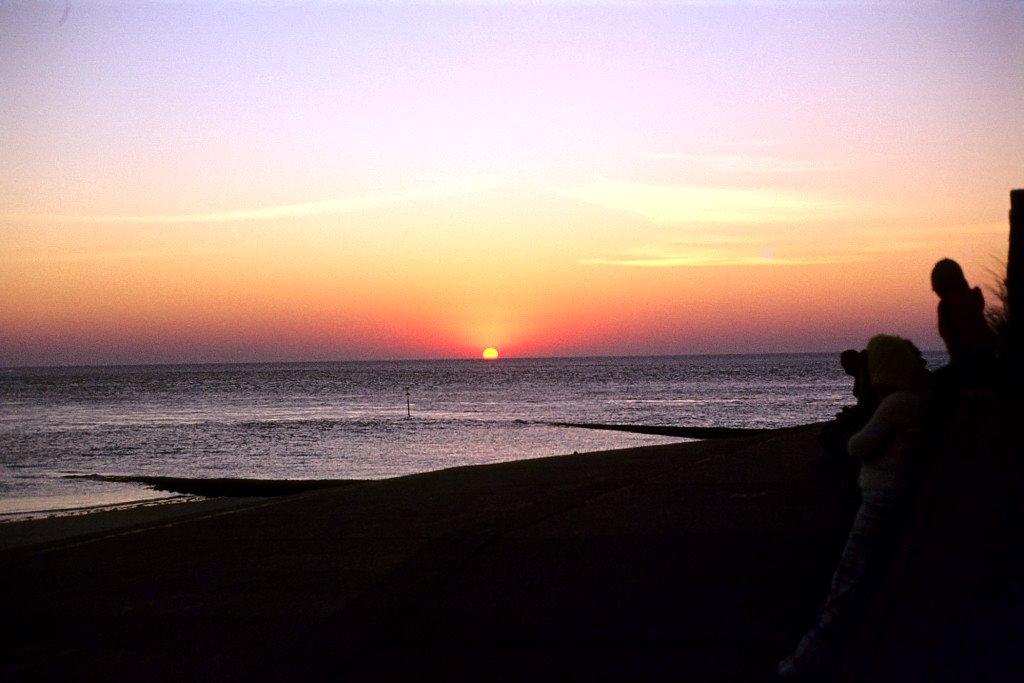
x=189, y=182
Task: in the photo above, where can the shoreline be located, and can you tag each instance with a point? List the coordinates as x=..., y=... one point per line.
x=680, y=432
x=77, y=511
x=239, y=487
x=200, y=494
x=233, y=487
x=632, y=560
x=705, y=559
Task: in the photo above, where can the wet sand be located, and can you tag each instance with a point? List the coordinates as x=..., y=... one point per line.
x=696, y=561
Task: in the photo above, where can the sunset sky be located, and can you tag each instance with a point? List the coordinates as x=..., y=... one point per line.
x=241, y=181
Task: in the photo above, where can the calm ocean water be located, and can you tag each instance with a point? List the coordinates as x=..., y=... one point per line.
x=351, y=421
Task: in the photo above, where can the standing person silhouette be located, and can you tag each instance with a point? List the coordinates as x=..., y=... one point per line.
x=969, y=340
x=889, y=448
x=848, y=421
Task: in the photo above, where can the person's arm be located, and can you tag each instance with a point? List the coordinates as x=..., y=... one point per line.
x=892, y=416
x=947, y=328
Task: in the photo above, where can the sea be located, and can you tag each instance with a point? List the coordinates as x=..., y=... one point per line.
x=66, y=432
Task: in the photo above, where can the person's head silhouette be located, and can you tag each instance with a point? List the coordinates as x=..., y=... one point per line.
x=852, y=361
x=948, y=277
x=894, y=364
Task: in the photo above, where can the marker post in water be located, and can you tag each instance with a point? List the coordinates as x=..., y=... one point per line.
x=408, y=406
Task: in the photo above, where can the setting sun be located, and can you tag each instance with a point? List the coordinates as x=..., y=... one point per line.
x=490, y=353
x=505, y=188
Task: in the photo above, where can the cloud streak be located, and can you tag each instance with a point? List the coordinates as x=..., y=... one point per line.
x=756, y=164
x=710, y=249
x=79, y=257
x=440, y=190
x=666, y=204
x=589, y=3
x=676, y=256
x=698, y=259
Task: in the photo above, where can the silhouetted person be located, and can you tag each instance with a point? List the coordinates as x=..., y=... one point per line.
x=855, y=363
x=888, y=448
x=969, y=340
x=848, y=421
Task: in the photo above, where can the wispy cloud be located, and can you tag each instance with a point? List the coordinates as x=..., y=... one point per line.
x=586, y=3
x=763, y=249
x=888, y=240
x=757, y=143
x=709, y=258
x=741, y=163
x=703, y=255
x=702, y=205
x=45, y=256
x=639, y=4
x=437, y=190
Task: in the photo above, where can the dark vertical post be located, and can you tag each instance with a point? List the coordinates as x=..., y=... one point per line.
x=408, y=405
x=1015, y=287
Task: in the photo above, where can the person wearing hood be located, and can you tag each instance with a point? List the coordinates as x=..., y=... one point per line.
x=890, y=449
x=969, y=340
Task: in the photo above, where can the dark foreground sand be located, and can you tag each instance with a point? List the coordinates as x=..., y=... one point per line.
x=693, y=562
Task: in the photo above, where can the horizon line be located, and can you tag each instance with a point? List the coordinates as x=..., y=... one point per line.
x=8, y=368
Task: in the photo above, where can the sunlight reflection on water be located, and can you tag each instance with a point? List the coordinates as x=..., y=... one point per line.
x=348, y=420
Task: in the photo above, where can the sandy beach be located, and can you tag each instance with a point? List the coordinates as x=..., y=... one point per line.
x=698, y=561
x=699, y=557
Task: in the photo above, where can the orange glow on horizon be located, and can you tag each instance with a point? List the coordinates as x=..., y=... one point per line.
x=506, y=189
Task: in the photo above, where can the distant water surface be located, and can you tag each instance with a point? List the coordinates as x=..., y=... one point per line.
x=350, y=420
